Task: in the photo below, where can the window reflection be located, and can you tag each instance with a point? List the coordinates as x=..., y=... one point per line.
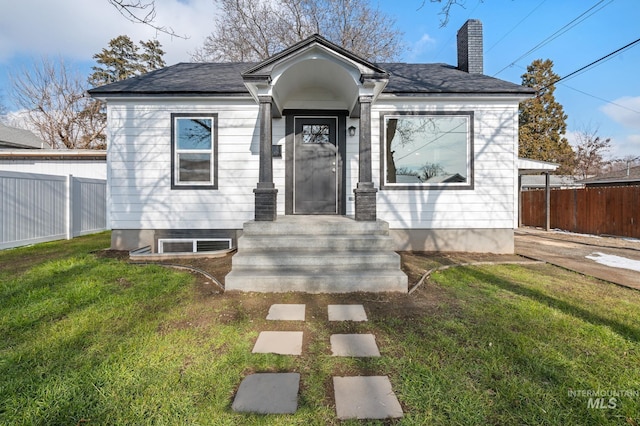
x=424, y=149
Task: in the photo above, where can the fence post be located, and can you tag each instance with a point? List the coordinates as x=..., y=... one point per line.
x=547, y=202
x=69, y=203
x=519, y=200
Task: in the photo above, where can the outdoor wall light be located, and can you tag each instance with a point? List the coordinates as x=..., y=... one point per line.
x=352, y=130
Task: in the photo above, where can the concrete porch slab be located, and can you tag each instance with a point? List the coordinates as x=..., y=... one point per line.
x=279, y=342
x=347, y=313
x=354, y=345
x=268, y=393
x=286, y=312
x=365, y=397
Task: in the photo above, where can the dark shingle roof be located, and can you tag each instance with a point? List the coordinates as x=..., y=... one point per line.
x=183, y=78
x=443, y=78
x=226, y=79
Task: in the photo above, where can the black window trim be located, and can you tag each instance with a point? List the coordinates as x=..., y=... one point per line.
x=214, y=117
x=426, y=187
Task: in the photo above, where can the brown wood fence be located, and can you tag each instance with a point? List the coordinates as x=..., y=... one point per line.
x=598, y=211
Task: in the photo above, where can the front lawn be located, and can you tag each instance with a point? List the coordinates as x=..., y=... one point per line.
x=94, y=340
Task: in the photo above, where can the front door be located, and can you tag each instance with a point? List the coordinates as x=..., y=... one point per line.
x=315, y=166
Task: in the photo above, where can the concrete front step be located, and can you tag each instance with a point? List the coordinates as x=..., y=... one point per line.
x=315, y=261
x=300, y=242
x=326, y=282
x=316, y=254
x=316, y=225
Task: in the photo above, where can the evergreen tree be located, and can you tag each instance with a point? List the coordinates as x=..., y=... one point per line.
x=122, y=60
x=152, y=54
x=543, y=121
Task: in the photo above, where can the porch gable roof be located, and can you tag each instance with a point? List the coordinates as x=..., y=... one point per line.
x=267, y=65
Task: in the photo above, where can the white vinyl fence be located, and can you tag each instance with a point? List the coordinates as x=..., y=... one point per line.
x=35, y=208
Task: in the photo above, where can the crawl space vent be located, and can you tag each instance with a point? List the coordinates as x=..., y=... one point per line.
x=192, y=245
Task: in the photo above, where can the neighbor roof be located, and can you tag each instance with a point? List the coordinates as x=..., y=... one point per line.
x=211, y=79
x=617, y=176
x=12, y=137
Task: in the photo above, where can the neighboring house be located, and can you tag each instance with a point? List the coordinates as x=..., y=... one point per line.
x=81, y=163
x=191, y=147
x=22, y=151
x=627, y=176
x=14, y=138
x=555, y=182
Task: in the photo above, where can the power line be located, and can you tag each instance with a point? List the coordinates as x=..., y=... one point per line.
x=579, y=19
x=600, y=99
x=593, y=96
x=515, y=26
x=592, y=64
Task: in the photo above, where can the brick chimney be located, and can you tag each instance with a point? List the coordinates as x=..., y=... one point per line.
x=470, y=47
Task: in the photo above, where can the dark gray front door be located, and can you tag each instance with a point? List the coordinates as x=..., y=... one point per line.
x=316, y=165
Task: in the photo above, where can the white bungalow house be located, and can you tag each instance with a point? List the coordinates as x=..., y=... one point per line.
x=320, y=148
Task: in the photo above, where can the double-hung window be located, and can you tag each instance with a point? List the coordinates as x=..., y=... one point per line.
x=194, y=151
x=430, y=150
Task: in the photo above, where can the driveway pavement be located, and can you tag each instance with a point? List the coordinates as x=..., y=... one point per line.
x=611, y=259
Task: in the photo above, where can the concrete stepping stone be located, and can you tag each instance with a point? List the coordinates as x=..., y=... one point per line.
x=356, y=345
x=279, y=342
x=365, y=397
x=286, y=312
x=347, y=313
x=268, y=393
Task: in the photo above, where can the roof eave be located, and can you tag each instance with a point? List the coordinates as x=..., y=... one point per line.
x=190, y=94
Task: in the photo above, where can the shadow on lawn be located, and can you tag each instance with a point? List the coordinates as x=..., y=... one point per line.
x=631, y=333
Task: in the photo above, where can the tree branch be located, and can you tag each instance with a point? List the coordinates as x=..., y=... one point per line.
x=140, y=12
x=446, y=8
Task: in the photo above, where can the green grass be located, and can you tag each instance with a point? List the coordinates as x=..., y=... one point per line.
x=89, y=340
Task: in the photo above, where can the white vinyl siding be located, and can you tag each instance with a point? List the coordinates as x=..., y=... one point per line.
x=139, y=166
x=491, y=204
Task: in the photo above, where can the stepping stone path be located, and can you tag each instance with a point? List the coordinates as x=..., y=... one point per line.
x=346, y=313
x=358, y=397
x=286, y=312
x=268, y=393
x=279, y=342
x=356, y=345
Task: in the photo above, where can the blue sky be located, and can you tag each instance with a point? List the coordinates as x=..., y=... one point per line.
x=606, y=97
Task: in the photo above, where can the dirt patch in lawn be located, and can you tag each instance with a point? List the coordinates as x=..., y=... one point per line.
x=240, y=307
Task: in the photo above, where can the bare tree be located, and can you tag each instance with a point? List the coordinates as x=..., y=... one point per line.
x=3, y=111
x=55, y=106
x=253, y=30
x=590, y=152
x=142, y=12
x=622, y=163
x=430, y=170
x=446, y=8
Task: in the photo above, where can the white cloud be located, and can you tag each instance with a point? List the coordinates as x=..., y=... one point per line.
x=573, y=136
x=421, y=46
x=625, y=110
x=77, y=29
x=627, y=145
